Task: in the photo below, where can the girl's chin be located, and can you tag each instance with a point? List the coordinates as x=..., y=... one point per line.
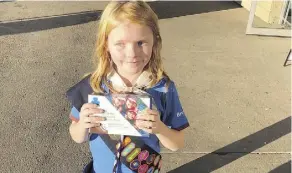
x=134, y=67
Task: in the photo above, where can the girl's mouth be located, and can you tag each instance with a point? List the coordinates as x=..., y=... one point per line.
x=133, y=61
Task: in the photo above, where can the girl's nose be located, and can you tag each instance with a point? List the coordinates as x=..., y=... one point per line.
x=132, y=51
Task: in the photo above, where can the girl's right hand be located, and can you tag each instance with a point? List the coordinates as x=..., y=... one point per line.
x=87, y=118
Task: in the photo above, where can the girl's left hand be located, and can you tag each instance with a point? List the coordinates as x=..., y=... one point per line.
x=149, y=121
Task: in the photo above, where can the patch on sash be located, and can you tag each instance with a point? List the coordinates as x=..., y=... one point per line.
x=143, y=168
x=156, y=160
x=150, y=159
x=135, y=164
x=139, y=157
x=143, y=155
x=126, y=141
x=133, y=154
x=128, y=149
x=150, y=170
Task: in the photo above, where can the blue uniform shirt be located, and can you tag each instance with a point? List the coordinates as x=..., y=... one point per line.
x=167, y=103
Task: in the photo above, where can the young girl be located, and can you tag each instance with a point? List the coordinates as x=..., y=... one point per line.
x=128, y=56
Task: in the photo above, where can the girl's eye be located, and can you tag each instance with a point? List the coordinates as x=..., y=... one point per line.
x=119, y=44
x=140, y=43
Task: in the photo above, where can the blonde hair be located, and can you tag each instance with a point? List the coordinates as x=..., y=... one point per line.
x=138, y=12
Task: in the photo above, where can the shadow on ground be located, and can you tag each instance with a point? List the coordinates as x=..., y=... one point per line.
x=285, y=168
x=163, y=9
x=209, y=163
x=169, y=9
x=45, y=23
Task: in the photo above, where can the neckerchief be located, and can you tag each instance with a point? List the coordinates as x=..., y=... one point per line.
x=142, y=82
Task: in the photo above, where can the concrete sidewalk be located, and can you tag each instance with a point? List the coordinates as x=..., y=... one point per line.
x=234, y=88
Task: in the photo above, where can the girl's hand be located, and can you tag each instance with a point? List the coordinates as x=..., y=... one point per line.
x=149, y=121
x=87, y=118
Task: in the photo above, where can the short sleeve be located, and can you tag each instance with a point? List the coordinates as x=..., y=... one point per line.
x=175, y=116
x=77, y=96
x=74, y=114
x=75, y=99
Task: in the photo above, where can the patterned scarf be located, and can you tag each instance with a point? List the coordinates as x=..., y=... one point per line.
x=143, y=82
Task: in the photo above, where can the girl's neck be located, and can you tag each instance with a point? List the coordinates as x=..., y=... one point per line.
x=129, y=80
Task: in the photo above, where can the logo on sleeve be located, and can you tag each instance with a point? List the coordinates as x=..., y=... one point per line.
x=179, y=114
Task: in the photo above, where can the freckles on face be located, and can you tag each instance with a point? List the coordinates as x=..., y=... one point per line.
x=130, y=46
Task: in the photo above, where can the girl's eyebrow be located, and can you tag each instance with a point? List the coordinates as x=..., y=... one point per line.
x=122, y=41
x=146, y=37
x=119, y=41
x=143, y=40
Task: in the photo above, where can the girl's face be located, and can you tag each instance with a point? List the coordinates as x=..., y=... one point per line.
x=130, y=46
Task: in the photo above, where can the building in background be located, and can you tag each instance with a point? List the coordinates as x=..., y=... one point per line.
x=268, y=11
x=270, y=17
